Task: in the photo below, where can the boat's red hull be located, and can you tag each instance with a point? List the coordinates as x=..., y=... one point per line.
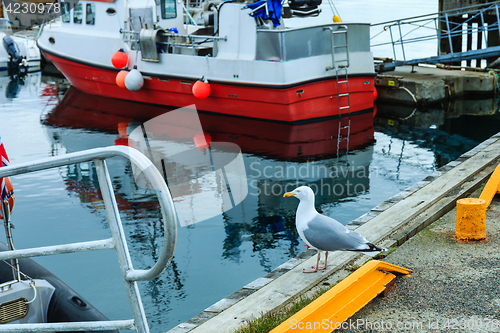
x=307, y=102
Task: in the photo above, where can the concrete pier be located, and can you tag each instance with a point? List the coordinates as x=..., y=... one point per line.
x=421, y=86
x=390, y=224
x=453, y=288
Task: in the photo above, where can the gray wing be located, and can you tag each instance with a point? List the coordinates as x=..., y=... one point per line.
x=327, y=234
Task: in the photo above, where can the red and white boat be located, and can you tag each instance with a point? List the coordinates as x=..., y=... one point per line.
x=295, y=72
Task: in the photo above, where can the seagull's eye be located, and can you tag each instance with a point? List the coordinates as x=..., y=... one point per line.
x=298, y=191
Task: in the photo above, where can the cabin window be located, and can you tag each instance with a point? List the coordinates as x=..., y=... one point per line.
x=65, y=12
x=78, y=13
x=90, y=17
x=168, y=9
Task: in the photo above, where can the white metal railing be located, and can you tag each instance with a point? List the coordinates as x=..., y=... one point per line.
x=191, y=42
x=448, y=26
x=117, y=241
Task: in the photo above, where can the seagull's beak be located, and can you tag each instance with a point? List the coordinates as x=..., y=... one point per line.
x=288, y=194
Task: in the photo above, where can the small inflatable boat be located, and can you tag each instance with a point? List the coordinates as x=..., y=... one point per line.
x=40, y=297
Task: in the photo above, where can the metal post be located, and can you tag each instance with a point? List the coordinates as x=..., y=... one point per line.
x=449, y=33
x=498, y=18
x=484, y=30
x=121, y=245
x=332, y=39
x=392, y=42
x=438, y=35
x=10, y=242
x=401, y=39
x=215, y=48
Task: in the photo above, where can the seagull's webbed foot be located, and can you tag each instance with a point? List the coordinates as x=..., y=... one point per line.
x=314, y=269
x=318, y=266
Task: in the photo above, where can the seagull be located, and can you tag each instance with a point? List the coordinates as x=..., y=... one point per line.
x=323, y=233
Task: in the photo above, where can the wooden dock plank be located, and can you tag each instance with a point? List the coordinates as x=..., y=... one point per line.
x=402, y=212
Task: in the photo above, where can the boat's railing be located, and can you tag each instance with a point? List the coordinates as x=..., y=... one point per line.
x=131, y=37
x=193, y=42
x=173, y=42
x=278, y=45
x=117, y=241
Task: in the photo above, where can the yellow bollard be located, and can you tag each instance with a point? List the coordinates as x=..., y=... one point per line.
x=471, y=219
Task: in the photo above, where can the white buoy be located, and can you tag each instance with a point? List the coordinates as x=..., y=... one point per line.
x=134, y=80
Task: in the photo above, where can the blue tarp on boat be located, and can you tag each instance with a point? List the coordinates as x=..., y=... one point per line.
x=268, y=10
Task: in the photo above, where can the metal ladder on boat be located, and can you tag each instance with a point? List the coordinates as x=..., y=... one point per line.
x=340, y=67
x=118, y=241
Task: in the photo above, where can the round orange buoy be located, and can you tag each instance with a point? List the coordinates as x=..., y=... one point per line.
x=202, y=140
x=12, y=198
x=201, y=89
x=471, y=219
x=120, y=78
x=375, y=93
x=119, y=59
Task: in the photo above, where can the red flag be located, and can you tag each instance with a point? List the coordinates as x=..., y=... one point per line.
x=5, y=195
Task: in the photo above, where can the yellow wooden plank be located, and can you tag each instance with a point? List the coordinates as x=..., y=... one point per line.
x=492, y=187
x=342, y=301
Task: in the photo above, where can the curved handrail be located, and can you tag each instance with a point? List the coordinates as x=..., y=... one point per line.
x=152, y=175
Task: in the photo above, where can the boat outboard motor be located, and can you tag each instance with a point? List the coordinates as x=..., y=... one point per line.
x=15, y=55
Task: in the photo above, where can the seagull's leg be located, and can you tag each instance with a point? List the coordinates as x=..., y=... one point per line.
x=314, y=269
x=326, y=258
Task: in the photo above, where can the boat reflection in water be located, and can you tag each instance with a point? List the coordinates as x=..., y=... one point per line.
x=277, y=155
x=12, y=86
x=254, y=236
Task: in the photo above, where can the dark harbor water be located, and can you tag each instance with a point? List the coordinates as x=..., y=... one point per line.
x=43, y=117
